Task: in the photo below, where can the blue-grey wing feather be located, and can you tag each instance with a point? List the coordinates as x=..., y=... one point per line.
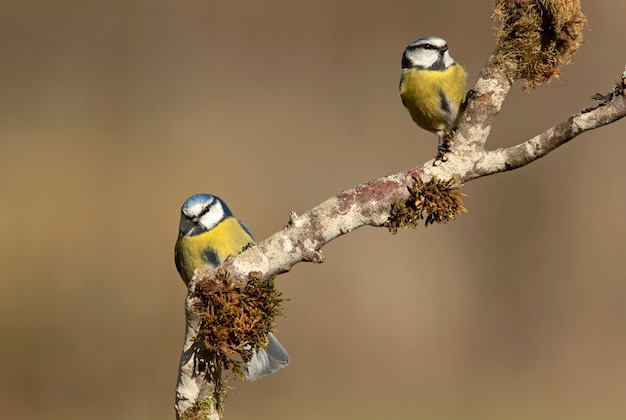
x=243, y=225
x=267, y=360
x=178, y=263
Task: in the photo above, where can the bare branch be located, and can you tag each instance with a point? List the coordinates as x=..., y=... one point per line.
x=514, y=157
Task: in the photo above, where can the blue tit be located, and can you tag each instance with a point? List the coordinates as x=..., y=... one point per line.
x=208, y=234
x=432, y=87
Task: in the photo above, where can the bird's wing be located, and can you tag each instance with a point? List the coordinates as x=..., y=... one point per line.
x=179, y=265
x=267, y=360
x=243, y=225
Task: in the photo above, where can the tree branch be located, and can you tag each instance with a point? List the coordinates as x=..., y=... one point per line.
x=302, y=239
x=500, y=160
x=199, y=389
x=369, y=204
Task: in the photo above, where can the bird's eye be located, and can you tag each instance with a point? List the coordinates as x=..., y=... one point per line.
x=204, y=211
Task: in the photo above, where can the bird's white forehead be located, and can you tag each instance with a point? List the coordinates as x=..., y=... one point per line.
x=196, y=204
x=430, y=40
x=194, y=209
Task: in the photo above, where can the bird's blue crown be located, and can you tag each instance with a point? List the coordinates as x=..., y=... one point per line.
x=204, y=199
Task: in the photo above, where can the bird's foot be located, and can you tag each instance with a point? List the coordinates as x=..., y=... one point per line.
x=443, y=148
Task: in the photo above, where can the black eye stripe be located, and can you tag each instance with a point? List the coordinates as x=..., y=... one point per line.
x=205, y=210
x=427, y=47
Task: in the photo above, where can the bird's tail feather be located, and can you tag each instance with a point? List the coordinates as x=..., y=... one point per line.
x=267, y=360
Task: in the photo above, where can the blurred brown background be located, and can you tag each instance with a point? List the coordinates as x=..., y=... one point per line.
x=113, y=113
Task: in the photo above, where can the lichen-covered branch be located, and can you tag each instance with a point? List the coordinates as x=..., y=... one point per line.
x=532, y=42
x=370, y=204
x=514, y=157
x=198, y=393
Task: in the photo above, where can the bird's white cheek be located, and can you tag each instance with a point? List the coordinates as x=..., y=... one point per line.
x=424, y=59
x=212, y=217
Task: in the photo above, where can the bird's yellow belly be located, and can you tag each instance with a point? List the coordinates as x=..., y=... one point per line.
x=211, y=248
x=433, y=97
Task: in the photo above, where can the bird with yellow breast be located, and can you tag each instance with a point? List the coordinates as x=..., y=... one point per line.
x=432, y=88
x=208, y=234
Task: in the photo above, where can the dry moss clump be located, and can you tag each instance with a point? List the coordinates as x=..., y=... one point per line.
x=435, y=201
x=236, y=317
x=538, y=36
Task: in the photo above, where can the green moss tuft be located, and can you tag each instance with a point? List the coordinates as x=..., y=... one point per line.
x=536, y=36
x=439, y=200
x=236, y=317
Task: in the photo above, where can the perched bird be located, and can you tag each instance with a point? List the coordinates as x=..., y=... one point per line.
x=208, y=234
x=432, y=87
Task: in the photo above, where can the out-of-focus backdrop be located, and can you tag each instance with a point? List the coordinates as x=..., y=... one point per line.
x=113, y=112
